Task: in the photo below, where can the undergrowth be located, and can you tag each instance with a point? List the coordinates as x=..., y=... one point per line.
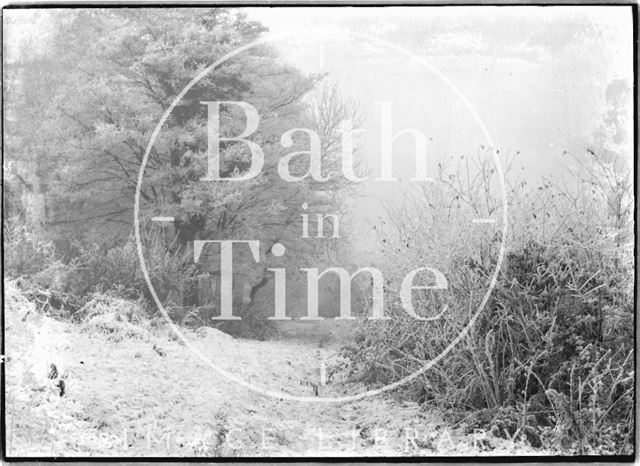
x=550, y=357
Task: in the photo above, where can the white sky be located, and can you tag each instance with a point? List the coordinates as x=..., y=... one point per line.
x=536, y=76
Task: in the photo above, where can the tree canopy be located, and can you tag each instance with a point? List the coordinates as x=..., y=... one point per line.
x=89, y=101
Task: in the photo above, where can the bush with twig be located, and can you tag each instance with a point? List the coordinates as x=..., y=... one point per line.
x=549, y=358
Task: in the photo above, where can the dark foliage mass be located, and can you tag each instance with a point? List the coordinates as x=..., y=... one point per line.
x=81, y=111
x=550, y=357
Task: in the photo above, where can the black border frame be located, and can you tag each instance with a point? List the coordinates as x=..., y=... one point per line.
x=333, y=4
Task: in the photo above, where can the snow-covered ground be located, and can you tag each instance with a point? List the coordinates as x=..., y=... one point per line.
x=150, y=395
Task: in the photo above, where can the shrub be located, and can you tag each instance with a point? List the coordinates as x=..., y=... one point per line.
x=65, y=285
x=116, y=318
x=118, y=269
x=24, y=252
x=550, y=356
x=100, y=270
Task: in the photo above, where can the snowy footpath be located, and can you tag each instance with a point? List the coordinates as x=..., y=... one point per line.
x=150, y=394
